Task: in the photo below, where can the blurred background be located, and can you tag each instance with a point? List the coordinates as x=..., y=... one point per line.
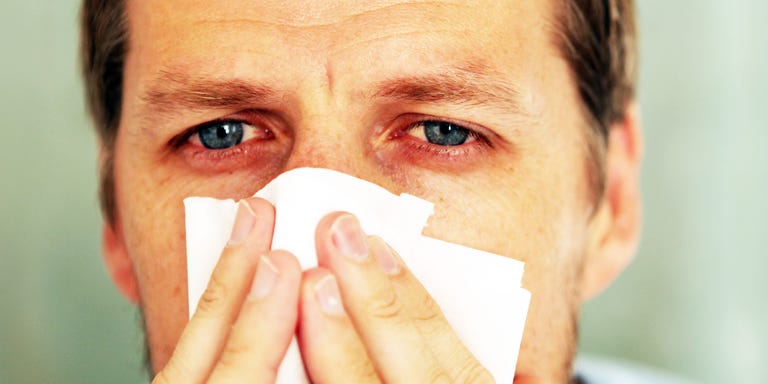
x=694, y=302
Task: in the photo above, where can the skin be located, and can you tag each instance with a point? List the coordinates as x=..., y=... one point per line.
x=321, y=78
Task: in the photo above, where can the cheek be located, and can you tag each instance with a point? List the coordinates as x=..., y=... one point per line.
x=536, y=219
x=151, y=220
x=522, y=213
x=150, y=197
x=503, y=211
x=149, y=194
x=151, y=215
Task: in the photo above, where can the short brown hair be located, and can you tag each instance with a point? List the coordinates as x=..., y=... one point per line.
x=596, y=37
x=103, y=48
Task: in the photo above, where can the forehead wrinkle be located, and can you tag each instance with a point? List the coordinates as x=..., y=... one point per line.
x=328, y=14
x=319, y=31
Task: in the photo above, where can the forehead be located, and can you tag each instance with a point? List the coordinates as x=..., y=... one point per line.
x=332, y=33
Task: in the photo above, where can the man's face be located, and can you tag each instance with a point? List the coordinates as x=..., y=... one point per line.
x=360, y=87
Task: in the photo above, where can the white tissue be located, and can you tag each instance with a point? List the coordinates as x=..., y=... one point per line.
x=479, y=292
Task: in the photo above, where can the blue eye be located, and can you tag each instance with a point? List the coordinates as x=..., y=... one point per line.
x=221, y=135
x=445, y=134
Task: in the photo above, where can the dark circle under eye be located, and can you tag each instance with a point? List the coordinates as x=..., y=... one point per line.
x=221, y=135
x=444, y=133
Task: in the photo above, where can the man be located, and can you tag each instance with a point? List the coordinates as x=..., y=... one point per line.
x=516, y=118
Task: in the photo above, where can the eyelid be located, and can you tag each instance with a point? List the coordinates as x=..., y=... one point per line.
x=479, y=134
x=403, y=147
x=254, y=119
x=250, y=132
x=250, y=151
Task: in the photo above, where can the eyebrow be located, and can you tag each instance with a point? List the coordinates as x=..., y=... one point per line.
x=472, y=84
x=174, y=91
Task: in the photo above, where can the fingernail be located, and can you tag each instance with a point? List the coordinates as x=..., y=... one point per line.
x=266, y=275
x=349, y=238
x=384, y=255
x=328, y=297
x=244, y=222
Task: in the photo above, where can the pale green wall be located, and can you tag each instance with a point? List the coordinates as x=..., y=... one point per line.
x=694, y=302
x=696, y=299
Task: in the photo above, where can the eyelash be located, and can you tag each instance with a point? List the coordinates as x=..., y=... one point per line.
x=219, y=158
x=480, y=141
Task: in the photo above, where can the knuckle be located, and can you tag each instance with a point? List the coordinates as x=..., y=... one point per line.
x=362, y=370
x=427, y=310
x=385, y=306
x=213, y=297
x=473, y=372
x=242, y=354
x=232, y=351
x=229, y=358
x=432, y=329
x=438, y=376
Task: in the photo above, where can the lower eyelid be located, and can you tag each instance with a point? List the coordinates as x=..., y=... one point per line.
x=241, y=156
x=422, y=154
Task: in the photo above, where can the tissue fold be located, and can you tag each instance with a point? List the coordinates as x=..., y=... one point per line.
x=479, y=292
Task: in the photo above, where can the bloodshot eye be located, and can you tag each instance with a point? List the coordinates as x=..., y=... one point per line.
x=442, y=133
x=221, y=135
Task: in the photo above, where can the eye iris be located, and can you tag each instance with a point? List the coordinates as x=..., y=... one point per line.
x=444, y=133
x=221, y=135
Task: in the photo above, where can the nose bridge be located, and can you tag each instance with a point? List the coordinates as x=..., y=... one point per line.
x=326, y=133
x=326, y=141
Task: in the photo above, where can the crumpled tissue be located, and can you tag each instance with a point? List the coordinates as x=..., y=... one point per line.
x=480, y=293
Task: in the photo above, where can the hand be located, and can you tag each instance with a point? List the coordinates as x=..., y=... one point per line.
x=247, y=315
x=366, y=319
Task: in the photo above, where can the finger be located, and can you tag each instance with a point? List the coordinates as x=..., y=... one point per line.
x=394, y=345
x=451, y=353
x=205, y=334
x=330, y=347
x=266, y=323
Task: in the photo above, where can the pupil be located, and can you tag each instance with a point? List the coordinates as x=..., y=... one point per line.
x=444, y=133
x=221, y=135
